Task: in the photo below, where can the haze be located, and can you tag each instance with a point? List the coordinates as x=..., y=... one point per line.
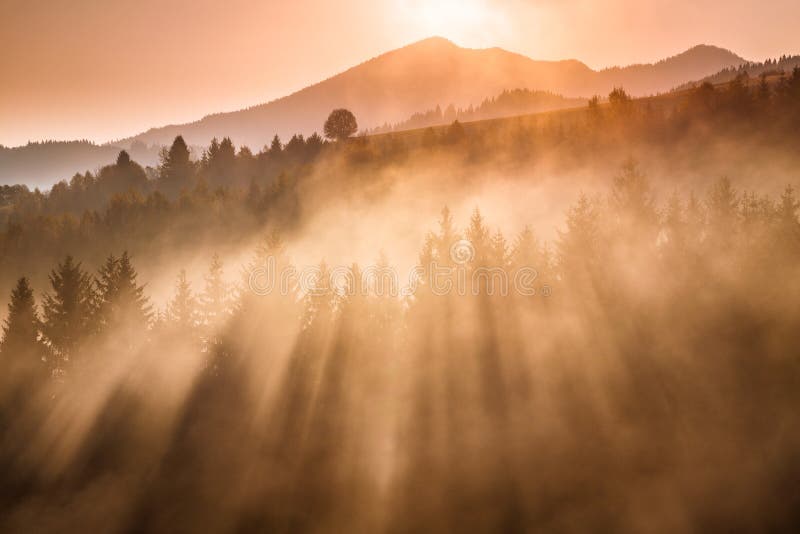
x=85, y=70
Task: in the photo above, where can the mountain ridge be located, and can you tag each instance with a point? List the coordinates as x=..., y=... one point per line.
x=385, y=89
x=393, y=85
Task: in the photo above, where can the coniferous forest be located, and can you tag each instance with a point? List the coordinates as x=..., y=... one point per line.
x=170, y=362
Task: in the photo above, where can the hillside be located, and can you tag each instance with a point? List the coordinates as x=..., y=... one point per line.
x=385, y=90
x=43, y=164
x=771, y=68
x=393, y=86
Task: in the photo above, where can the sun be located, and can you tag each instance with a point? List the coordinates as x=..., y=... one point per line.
x=464, y=21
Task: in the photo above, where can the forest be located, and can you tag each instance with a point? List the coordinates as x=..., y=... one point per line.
x=647, y=379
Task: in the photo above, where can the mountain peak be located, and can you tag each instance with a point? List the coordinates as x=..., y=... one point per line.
x=433, y=43
x=435, y=40
x=705, y=52
x=435, y=71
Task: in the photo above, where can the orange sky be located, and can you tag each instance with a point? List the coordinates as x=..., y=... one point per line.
x=106, y=69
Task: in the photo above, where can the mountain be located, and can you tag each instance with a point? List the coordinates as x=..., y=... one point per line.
x=641, y=80
x=395, y=85
x=387, y=89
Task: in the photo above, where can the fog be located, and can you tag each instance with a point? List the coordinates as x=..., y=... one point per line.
x=601, y=337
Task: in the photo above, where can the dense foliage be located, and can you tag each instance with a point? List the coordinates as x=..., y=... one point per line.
x=654, y=362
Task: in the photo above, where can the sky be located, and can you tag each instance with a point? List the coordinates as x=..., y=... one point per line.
x=103, y=70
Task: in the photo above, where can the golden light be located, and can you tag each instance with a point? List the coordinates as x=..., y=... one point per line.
x=468, y=22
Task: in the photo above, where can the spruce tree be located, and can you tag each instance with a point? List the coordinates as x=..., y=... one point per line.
x=176, y=170
x=182, y=309
x=133, y=306
x=106, y=290
x=214, y=301
x=478, y=236
x=66, y=311
x=19, y=344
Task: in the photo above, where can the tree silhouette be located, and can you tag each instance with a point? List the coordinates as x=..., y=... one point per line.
x=20, y=338
x=340, y=125
x=131, y=302
x=632, y=200
x=66, y=311
x=455, y=133
x=182, y=309
x=119, y=301
x=214, y=302
x=176, y=170
x=478, y=236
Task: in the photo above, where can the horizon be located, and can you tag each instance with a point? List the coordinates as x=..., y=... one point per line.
x=163, y=80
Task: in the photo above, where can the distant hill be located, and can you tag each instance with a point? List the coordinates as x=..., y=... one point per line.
x=506, y=104
x=771, y=68
x=43, y=164
x=393, y=86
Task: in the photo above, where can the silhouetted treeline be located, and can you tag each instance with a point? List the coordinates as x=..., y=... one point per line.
x=506, y=104
x=770, y=68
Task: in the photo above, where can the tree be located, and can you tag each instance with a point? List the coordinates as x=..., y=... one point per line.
x=131, y=304
x=446, y=238
x=176, y=169
x=594, y=108
x=219, y=163
x=105, y=290
x=182, y=309
x=632, y=199
x=579, y=246
x=125, y=175
x=722, y=203
x=340, y=125
x=455, y=133
x=620, y=101
x=788, y=224
x=478, y=236
x=66, y=311
x=120, y=302
x=215, y=301
x=20, y=339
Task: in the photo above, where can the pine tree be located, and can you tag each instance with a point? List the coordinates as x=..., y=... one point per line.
x=478, y=236
x=675, y=224
x=20, y=340
x=579, y=245
x=526, y=250
x=499, y=256
x=132, y=305
x=789, y=226
x=446, y=238
x=319, y=299
x=176, y=171
x=632, y=201
x=764, y=90
x=275, y=148
x=214, y=301
x=66, y=311
x=722, y=209
x=182, y=309
x=119, y=300
x=106, y=290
